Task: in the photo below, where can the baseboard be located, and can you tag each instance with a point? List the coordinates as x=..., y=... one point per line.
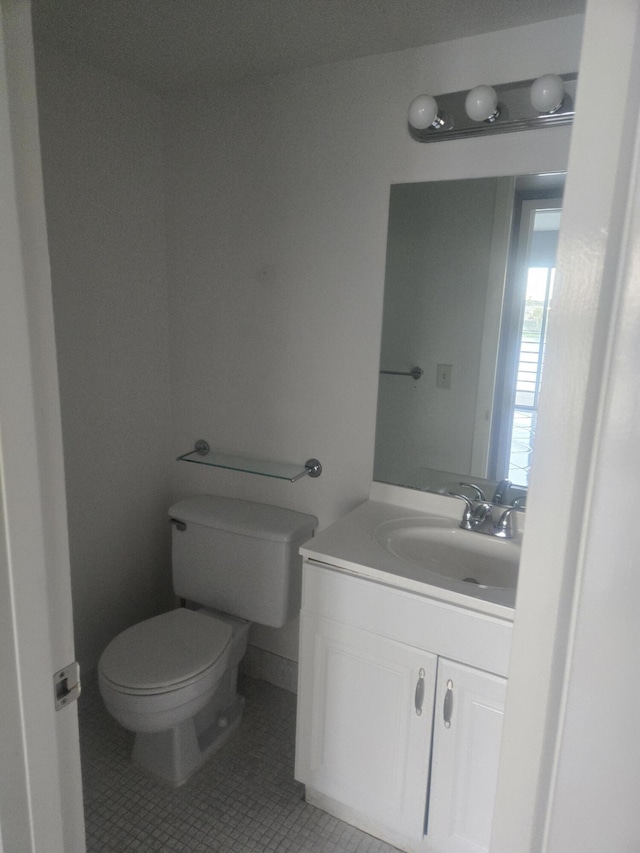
x=267, y=666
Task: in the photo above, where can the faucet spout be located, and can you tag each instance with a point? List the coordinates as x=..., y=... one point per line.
x=482, y=519
x=500, y=494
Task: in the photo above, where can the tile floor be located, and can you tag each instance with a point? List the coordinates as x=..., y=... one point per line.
x=245, y=800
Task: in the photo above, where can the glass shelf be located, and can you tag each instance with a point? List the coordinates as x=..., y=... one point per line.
x=203, y=455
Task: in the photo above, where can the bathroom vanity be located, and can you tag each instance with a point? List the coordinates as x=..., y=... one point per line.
x=403, y=661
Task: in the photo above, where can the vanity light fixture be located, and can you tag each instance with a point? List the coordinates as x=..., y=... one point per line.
x=424, y=113
x=547, y=93
x=547, y=101
x=481, y=104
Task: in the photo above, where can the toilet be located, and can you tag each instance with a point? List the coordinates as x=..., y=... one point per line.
x=172, y=678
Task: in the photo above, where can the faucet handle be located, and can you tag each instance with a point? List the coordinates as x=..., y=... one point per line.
x=467, y=515
x=505, y=527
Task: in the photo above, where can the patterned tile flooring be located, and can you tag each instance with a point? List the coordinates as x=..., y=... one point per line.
x=245, y=800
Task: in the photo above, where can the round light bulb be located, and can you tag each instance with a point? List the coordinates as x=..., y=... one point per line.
x=423, y=112
x=481, y=104
x=547, y=93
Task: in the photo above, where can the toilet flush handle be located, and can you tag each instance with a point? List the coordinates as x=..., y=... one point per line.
x=180, y=525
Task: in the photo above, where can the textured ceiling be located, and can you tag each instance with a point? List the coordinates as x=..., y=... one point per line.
x=169, y=44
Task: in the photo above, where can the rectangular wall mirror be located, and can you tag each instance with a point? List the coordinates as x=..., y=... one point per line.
x=468, y=294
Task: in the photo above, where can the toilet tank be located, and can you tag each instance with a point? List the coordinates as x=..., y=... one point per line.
x=239, y=556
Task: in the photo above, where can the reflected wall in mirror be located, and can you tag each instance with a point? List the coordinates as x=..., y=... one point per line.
x=468, y=288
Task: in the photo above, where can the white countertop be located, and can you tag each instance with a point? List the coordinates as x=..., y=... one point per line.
x=350, y=545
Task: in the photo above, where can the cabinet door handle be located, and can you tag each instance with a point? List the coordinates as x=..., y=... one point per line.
x=419, y=697
x=447, y=706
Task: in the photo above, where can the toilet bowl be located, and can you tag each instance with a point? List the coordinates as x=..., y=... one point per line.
x=172, y=678
x=162, y=670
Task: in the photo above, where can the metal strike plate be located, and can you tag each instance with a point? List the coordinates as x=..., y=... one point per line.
x=66, y=685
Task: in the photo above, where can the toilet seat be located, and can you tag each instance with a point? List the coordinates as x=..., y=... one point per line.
x=165, y=653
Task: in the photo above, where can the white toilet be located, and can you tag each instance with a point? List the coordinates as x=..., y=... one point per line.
x=172, y=678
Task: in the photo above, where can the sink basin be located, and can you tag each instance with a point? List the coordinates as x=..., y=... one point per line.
x=442, y=548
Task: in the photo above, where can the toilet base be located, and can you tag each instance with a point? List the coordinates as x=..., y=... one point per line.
x=174, y=755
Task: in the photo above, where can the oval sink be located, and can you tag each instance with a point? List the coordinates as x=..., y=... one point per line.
x=442, y=548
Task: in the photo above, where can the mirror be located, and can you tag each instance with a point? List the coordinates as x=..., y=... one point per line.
x=468, y=290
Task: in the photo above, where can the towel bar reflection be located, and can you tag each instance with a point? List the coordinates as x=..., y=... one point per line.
x=415, y=372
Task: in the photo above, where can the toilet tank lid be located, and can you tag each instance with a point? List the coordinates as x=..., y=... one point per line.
x=246, y=518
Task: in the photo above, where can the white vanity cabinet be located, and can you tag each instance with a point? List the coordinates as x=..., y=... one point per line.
x=464, y=762
x=400, y=703
x=366, y=710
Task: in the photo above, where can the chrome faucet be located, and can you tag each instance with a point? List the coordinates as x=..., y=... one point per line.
x=478, y=517
x=500, y=494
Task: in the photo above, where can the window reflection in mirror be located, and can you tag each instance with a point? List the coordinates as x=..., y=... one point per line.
x=530, y=281
x=468, y=291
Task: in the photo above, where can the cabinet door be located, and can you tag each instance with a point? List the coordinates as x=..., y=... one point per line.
x=365, y=713
x=466, y=750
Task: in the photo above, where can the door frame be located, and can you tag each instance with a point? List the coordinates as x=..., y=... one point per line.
x=40, y=792
x=570, y=753
x=40, y=781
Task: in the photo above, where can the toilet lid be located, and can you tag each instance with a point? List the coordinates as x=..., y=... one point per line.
x=165, y=650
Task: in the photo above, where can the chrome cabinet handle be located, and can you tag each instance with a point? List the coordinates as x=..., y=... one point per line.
x=447, y=706
x=419, y=697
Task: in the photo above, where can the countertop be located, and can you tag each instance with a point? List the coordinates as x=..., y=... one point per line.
x=350, y=545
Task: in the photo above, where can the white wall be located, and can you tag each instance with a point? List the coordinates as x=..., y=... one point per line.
x=277, y=201
x=101, y=153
